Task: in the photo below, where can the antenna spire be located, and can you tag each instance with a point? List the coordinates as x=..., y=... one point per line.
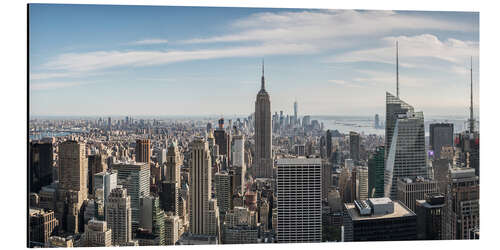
x=262, y=80
x=471, y=101
x=397, y=69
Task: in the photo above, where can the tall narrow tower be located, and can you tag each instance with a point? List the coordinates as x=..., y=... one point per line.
x=263, y=167
x=471, y=120
x=397, y=70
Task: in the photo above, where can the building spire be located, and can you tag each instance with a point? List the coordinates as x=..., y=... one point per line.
x=471, y=101
x=397, y=69
x=262, y=80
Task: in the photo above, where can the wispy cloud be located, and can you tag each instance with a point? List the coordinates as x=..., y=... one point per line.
x=149, y=41
x=108, y=59
x=415, y=51
x=320, y=27
x=53, y=85
x=290, y=33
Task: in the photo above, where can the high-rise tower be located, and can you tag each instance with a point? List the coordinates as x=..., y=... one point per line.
x=200, y=188
x=263, y=133
x=405, y=144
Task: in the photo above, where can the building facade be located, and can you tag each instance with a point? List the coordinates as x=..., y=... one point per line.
x=119, y=216
x=263, y=162
x=299, y=200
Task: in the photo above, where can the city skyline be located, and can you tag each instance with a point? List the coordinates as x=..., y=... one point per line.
x=121, y=64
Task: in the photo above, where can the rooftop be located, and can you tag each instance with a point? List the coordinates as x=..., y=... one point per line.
x=399, y=211
x=299, y=161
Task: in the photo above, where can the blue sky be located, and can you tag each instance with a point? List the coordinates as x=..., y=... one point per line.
x=158, y=60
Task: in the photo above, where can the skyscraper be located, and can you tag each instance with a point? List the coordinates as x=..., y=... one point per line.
x=430, y=217
x=239, y=161
x=143, y=150
x=462, y=205
x=200, y=188
x=410, y=190
x=329, y=144
x=170, y=186
x=263, y=167
x=119, y=216
x=73, y=167
x=172, y=173
x=407, y=155
x=299, y=200
x=153, y=217
x=40, y=162
x=135, y=177
x=104, y=182
x=393, y=107
x=223, y=140
x=224, y=191
x=376, y=168
x=354, y=143
x=440, y=135
x=295, y=110
x=97, y=164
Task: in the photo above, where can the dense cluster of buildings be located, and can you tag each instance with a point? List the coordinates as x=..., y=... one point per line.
x=260, y=179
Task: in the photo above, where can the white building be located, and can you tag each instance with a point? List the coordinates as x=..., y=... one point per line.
x=299, y=200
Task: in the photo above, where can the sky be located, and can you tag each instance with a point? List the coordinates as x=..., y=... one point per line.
x=159, y=60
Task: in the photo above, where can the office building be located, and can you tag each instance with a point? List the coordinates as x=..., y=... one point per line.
x=223, y=139
x=430, y=217
x=135, y=177
x=172, y=227
x=104, y=182
x=200, y=189
x=362, y=182
x=152, y=218
x=376, y=168
x=263, y=162
x=42, y=224
x=172, y=171
x=299, y=200
x=40, y=165
x=354, y=143
x=97, y=234
x=412, y=189
x=224, y=191
x=239, y=161
x=462, y=211
x=241, y=234
x=143, y=151
x=329, y=144
x=440, y=135
x=119, y=216
x=73, y=167
x=97, y=164
x=406, y=155
x=378, y=219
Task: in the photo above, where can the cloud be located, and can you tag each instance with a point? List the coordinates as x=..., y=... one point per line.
x=149, y=41
x=323, y=26
x=338, y=82
x=289, y=33
x=412, y=50
x=108, y=59
x=53, y=85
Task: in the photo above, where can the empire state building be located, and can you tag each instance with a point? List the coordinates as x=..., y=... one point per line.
x=263, y=164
